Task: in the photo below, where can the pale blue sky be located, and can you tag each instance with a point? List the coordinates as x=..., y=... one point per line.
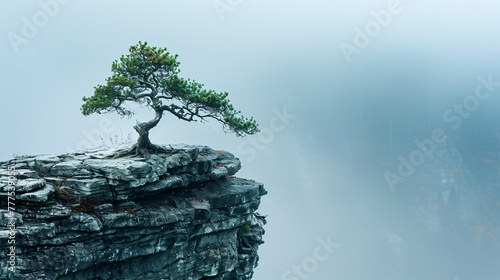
x=271, y=56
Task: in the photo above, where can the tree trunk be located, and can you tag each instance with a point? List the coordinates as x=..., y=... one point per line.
x=143, y=142
x=144, y=145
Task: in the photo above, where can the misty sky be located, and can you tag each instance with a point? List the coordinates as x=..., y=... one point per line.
x=283, y=63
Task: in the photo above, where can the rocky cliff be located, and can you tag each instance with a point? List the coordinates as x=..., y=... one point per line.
x=182, y=215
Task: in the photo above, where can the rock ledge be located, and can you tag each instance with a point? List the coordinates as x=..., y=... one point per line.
x=89, y=216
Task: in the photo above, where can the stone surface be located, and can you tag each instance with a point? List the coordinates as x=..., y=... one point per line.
x=87, y=215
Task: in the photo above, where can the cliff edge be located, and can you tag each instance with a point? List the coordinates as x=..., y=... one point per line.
x=87, y=215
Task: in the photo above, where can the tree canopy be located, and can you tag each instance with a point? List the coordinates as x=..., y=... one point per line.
x=150, y=75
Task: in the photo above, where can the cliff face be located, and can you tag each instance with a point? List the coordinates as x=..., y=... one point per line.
x=89, y=216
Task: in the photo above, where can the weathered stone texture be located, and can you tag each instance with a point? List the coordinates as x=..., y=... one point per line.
x=90, y=216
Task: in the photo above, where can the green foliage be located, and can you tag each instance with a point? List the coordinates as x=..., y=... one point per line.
x=101, y=101
x=244, y=230
x=150, y=75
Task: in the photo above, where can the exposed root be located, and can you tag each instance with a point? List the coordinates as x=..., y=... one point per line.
x=127, y=153
x=145, y=152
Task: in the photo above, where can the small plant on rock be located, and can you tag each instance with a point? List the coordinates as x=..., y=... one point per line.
x=244, y=230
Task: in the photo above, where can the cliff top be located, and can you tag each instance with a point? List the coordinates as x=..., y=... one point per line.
x=181, y=215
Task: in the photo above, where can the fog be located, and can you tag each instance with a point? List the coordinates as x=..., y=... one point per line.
x=379, y=141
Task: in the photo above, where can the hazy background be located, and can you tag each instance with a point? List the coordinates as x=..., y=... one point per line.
x=323, y=165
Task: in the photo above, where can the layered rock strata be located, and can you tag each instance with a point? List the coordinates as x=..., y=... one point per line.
x=182, y=215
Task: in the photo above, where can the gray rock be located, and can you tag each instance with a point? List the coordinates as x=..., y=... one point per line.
x=48, y=212
x=70, y=169
x=38, y=196
x=120, y=169
x=86, y=215
x=82, y=222
x=94, y=188
x=22, y=186
x=21, y=173
x=7, y=217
